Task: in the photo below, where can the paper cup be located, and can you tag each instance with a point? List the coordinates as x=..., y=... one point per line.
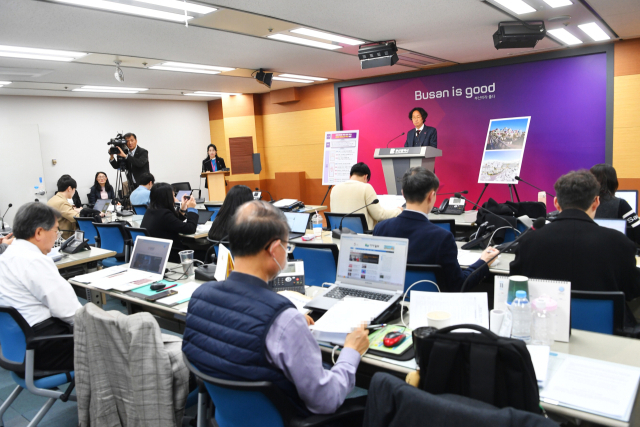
x=439, y=319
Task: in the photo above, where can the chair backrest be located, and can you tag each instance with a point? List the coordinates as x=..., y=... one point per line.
x=355, y=222
x=215, y=248
x=181, y=186
x=447, y=224
x=510, y=235
x=417, y=272
x=215, y=210
x=135, y=232
x=90, y=232
x=240, y=403
x=112, y=237
x=320, y=262
x=14, y=333
x=139, y=209
x=601, y=312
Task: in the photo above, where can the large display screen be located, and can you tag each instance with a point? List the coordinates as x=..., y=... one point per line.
x=564, y=99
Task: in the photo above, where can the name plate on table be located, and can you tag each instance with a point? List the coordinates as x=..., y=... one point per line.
x=401, y=150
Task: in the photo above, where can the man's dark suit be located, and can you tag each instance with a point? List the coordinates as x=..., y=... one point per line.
x=430, y=244
x=428, y=137
x=136, y=166
x=574, y=248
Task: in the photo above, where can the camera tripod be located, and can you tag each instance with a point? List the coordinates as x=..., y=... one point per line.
x=120, y=197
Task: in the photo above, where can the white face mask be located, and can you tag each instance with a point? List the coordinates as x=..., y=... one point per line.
x=280, y=268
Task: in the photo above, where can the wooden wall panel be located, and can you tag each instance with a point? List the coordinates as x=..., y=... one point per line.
x=291, y=94
x=216, y=128
x=238, y=106
x=627, y=57
x=215, y=109
x=241, y=155
x=626, y=151
x=626, y=101
x=311, y=98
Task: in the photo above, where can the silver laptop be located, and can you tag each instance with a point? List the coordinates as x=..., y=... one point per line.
x=102, y=205
x=148, y=262
x=615, y=224
x=369, y=267
x=297, y=223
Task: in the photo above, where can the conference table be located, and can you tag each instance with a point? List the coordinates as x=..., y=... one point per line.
x=582, y=343
x=84, y=257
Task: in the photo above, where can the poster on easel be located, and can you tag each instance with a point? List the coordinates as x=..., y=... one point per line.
x=340, y=154
x=503, y=150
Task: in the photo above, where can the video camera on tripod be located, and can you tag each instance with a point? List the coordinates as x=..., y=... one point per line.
x=118, y=142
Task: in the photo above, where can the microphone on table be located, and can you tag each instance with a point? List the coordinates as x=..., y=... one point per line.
x=531, y=185
x=446, y=194
x=394, y=139
x=537, y=225
x=6, y=229
x=270, y=201
x=338, y=232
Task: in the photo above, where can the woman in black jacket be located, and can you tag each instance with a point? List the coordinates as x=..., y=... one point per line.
x=162, y=221
x=212, y=163
x=101, y=189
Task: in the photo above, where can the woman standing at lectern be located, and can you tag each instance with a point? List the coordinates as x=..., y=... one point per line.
x=212, y=163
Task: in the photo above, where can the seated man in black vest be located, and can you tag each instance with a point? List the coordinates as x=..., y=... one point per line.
x=574, y=248
x=241, y=330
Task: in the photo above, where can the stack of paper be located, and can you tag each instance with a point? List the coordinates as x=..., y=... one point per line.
x=470, y=307
x=297, y=299
x=344, y=317
x=540, y=359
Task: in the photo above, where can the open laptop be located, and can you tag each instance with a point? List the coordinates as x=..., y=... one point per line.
x=182, y=193
x=148, y=262
x=297, y=223
x=614, y=224
x=204, y=216
x=369, y=267
x=102, y=205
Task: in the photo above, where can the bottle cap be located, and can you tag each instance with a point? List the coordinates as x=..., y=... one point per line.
x=541, y=304
x=521, y=294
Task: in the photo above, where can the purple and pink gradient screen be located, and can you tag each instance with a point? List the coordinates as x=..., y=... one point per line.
x=566, y=99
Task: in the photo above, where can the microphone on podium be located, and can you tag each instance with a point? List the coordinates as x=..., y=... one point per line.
x=394, y=139
x=8, y=229
x=338, y=232
x=447, y=194
x=531, y=185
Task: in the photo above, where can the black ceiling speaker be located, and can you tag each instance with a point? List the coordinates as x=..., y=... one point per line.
x=519, y=34
x=264, y=78
x=378, y=54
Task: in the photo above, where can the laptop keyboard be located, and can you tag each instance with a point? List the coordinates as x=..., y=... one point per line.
x=339, y=293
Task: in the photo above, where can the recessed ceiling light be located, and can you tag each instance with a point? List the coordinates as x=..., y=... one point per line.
x=4, y=83
x=45, y=54
x=126, y=8
x=564, y=36
x=558, y=3
x=307, y=42
x=210, y=94
x=516, y=6
x=110, y=89
x=286, y=79
x=180, y=5
x=295, y=76
x=190, y=68
x=327, y=36
x=594, y=31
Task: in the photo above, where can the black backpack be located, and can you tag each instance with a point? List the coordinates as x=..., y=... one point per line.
x=482, y=366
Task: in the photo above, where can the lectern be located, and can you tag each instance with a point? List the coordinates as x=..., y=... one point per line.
x=216, y=185
x=396, y=161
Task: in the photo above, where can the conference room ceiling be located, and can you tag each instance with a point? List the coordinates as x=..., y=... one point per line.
x=430, y=33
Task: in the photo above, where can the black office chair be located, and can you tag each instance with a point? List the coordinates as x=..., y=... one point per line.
x=601, y=312
x=355, y=222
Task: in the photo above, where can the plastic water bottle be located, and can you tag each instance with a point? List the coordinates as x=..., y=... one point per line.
x=540, y=331
x=521, y=314
x=316, y=220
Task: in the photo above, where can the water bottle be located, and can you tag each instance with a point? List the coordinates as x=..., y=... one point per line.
x=540, y=331
x=521, y=315
x=316, y=220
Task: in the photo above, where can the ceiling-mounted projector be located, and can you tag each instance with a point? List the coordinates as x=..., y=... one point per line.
x=264, y=78
x=378, y=54
x=519, y=34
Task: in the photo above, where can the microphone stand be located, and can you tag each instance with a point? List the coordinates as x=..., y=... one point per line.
x=338, y=232
x=531, y=185
x=326, y=194
x=6, y=229
x=394, y=139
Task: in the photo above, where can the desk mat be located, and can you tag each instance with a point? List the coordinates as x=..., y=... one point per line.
x=403, y=352
x=145, y=290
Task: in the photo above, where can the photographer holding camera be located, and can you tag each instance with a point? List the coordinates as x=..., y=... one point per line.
x=134, y=160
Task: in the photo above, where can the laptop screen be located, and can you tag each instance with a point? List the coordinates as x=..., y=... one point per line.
x=150, y=254
x=102, y=205
x=204, y=216
x=614, y=224
x=182, y=193
x=373, y=262
x=297, y=221
x=631, y=196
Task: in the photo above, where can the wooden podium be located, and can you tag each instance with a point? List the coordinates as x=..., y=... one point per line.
x=216, y=185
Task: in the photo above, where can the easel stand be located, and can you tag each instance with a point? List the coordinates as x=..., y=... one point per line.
x=325, y=195
x=512, y=190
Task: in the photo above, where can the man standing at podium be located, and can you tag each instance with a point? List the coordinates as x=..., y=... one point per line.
x=421, y=135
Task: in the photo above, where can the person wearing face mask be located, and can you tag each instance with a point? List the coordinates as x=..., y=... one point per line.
x=241, y=330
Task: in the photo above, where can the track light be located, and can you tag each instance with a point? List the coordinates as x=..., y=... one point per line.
x=119, y=75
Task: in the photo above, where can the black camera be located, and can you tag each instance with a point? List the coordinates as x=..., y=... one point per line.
x=116, y=142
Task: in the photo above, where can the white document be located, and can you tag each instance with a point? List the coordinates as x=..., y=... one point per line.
x=540, y=359
x=225, y=263
x=284, y=203
x=391, y=201
x=469, y=307
x=297, y=299
x=184, y=293
x=557, y=290
x=344, y=317
x=467, y=257
x=589, y=385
